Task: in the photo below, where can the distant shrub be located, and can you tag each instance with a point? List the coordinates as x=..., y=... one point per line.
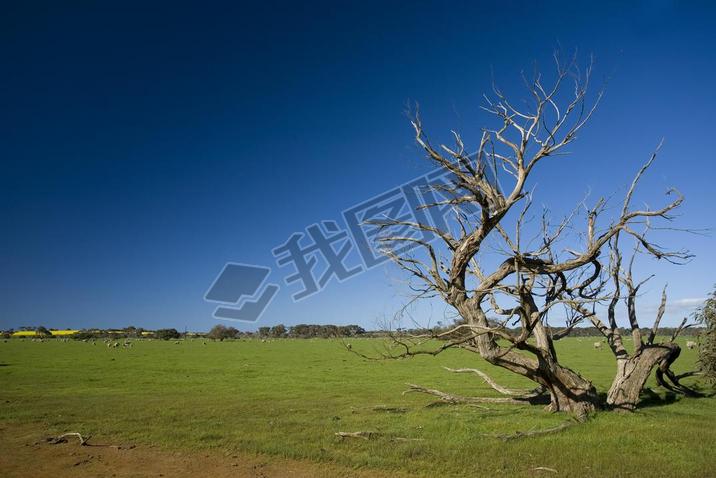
x=167, y=334
x=221, y=332
x=86, y=335
x=707, y=347
x=43, y=332
x=278, y=331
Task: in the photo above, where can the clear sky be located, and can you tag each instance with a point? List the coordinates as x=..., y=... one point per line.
x=143, y=147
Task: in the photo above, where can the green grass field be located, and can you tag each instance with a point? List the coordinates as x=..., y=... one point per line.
x=289, y=397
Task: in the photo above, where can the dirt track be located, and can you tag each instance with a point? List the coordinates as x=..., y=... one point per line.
x=24, y=452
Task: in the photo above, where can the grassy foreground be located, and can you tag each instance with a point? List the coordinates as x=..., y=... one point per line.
x=289, y=397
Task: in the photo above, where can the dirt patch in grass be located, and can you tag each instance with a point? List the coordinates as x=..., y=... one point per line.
x=25, y=452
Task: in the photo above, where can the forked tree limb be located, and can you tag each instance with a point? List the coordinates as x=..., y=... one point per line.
x=664, y=372
x=680, y=328
x=675, y=386
x=497, y=387
x=63, y=438
x=457, y=399
x=84, y=441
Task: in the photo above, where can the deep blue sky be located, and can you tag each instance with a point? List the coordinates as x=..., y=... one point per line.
x=142, y=147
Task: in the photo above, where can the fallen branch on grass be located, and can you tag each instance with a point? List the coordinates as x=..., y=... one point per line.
x=544, y=468
x=532, y=433
x=457, y=399
x=361, y=435
x=63, y=438
x=84, y=441
x=387, y=409
x=441, y=403
x=499, y=388
x=369, y=435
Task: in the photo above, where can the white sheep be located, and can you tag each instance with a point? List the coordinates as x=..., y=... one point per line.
x=597, y=345
x=691, y=344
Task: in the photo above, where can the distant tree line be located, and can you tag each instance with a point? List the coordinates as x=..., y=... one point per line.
x=307, y=331
x=218, y=332
x=300, y=331
x=129, y=332
x=304, y=331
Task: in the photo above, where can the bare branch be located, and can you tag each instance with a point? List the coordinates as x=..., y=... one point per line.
x=496, y=387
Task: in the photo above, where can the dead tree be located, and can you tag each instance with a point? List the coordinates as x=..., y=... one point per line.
x=633, y=369
x=485, y=202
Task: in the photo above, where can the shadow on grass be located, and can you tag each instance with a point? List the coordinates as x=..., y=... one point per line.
x=652, y=399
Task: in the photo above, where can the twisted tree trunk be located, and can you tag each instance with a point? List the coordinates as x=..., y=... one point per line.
x=633, y=372
x=569, y=392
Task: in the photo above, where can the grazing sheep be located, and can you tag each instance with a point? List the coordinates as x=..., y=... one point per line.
x=597, y=345
x=691, y=344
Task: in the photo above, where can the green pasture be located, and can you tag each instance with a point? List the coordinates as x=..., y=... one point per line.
x=288, y=397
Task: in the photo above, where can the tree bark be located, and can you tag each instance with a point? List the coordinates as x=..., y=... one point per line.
x=569, y=392
x=632, y=374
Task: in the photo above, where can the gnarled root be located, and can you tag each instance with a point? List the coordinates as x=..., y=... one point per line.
x=676, y=386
